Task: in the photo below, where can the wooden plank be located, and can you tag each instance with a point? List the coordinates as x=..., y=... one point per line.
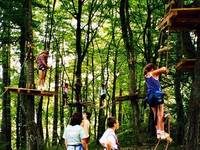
x=186, y=64
x=75, y=104
x=30, y=91
x=128, y=97
x=181, y=19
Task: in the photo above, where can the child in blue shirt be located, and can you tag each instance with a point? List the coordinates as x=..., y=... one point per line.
x=155, y=97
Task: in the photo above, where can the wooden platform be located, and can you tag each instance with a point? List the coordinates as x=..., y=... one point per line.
x=128, y=97
x=181, y=19
x=29, y=91
x=186, y=65
x=75, y=104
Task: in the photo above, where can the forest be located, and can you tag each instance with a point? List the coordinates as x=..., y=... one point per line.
x=95, y=43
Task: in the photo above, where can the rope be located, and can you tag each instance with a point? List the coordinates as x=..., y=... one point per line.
x=159, y=55
x=157, y=144
x=168, y=140
x=4, y=92
x=168, y=43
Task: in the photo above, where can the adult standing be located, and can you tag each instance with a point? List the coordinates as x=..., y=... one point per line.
x=74, y=134
x=109, y=139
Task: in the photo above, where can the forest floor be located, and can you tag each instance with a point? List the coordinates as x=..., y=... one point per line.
x=127, y=142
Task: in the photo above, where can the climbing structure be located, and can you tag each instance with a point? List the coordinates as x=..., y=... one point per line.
x=181, y=19
x=29, y=91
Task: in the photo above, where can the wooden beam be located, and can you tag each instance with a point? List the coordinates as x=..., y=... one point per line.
x=128, y=97
x=186, y=64
x=30, y=91
x=181, y=19
x=75, y=104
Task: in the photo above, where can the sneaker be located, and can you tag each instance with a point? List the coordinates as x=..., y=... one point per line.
x=40, y=88
x=43, y=88
x=166, y=115
x=158, y=135
x=164, y=135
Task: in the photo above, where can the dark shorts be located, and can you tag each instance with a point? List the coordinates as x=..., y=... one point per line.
x=103, y=96
x=155, y=99
x=65, y=95
x=87, y=140
x=42, y=67
x=155, y=102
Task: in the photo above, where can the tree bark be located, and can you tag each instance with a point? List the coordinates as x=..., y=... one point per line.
x=39, y=123
x=179, y=102
x=5, y=135
x=21, y=115
x=194, y=106
x=31, y=127
x=128, y=42
x=120, y=108
x=55, y=115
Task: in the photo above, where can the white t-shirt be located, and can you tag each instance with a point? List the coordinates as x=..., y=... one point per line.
x=109, y=136
x=102, y=91
x=73, y=135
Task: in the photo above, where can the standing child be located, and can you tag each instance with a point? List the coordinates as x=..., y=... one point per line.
x=109, y=139
x=42, y=68
x=155, y=97
x=86, y=126
x=65, y=93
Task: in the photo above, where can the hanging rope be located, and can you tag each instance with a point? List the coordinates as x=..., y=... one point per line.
x=168, y=46
x=164, y=49
x=4, y=92
x=161, y=46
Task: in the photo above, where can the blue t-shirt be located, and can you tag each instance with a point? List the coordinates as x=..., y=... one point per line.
x=154, y=93
x=73, y=136
x=153, y=85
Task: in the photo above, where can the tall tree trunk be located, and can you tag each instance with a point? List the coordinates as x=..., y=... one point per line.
x=78, y=84
x=194, y=106
x=39, y=123
x=101, y=123
x=93, y=95
x=55, y=115
x=114, y=84
x=47, y=113
x=5, y=135
x=21, y=115
x=120, y=108
x=179, y=103
x=31, y=130
x=128, y=43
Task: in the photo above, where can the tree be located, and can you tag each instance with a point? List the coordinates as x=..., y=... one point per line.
x=128, y=43
x=5, y=135
x=194, y=105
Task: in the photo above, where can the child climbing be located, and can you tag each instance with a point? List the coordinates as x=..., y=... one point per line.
x=155, y=97
x=42, y=68
x=65, y=93
x=103, y=92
